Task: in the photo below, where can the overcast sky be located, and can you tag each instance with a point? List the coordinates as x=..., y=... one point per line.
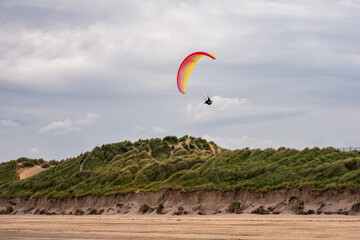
x=77, y=74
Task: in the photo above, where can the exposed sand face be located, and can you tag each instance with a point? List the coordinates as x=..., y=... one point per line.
x=29, y=171
x=199, y=202
x=184, y=227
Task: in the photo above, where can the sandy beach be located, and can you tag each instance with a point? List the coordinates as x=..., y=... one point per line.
x=180, y=227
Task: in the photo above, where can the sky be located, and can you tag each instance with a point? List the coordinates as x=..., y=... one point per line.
x=76, y=74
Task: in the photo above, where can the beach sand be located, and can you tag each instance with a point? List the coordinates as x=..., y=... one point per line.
x=243, y=226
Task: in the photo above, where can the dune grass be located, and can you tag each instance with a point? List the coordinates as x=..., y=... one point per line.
x=149, y=165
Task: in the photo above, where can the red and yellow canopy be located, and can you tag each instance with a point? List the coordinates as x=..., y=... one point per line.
x=186, y=68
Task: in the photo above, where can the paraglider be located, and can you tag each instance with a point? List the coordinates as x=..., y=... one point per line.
x=186, y=68
x=208, y=101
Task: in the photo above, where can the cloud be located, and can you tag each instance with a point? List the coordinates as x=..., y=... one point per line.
x=8, y=123
x=139, y=128
x=89, y=119
x=153, y=129
x=236, y=110
x=60, y=127
x=238, y=143
x=158, y=130
x=119, y=46
x=33, y=151
x=68, y=125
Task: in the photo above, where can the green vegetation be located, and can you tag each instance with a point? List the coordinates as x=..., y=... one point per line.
x=185, y=163
x=356, y=207
x=8, y=172
x=79, y=212
x=145, y=209
x=159, y=209
x=260, y=210
x=235, y=207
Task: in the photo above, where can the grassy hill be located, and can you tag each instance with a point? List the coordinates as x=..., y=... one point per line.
x=187, y=163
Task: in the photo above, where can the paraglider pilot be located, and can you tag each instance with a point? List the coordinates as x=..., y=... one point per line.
x=208, y=101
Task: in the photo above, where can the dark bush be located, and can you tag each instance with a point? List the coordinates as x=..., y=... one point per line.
x=145, y=209
x=41, y=161
x=235, y=207
x=171, y=139
x=308, y=212
x=296, y=204
x=9, y=210
x=159, y=209
x=53, y=162
x=28, y=164
x=356, y=207
x=352, y=164
x=78, y=212
x=184, y=138
x=181, y=211
x=260, y=210
x=93, y=211
x=45, y=165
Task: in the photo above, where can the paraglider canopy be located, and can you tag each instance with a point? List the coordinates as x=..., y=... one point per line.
x=186, y=68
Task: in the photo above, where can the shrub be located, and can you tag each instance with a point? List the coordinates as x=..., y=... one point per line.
x=184, y=138
x=28, y=164
x=319, y=211
x=22, y=159
x=260, y=210
x=335, y=169
x=101, y=211
x=185, y=146
x=93, y=211
x=160, y=150
x=202, y=144
x=159, y=209
x=145, y=209
x=235, y=207
x=43, y=211
x=297, y=205
x=45, y=165
x=352, y=164
x=53, y=162
x=41, y=161
x=171, y=139
x=311, y=211
x=181, y=211
x=78, y=212
x=180, y=152
x=9, y=210
x=356, y=207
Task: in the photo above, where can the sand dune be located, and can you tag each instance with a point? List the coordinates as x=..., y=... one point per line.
x=183, y=227
x=29, y=171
